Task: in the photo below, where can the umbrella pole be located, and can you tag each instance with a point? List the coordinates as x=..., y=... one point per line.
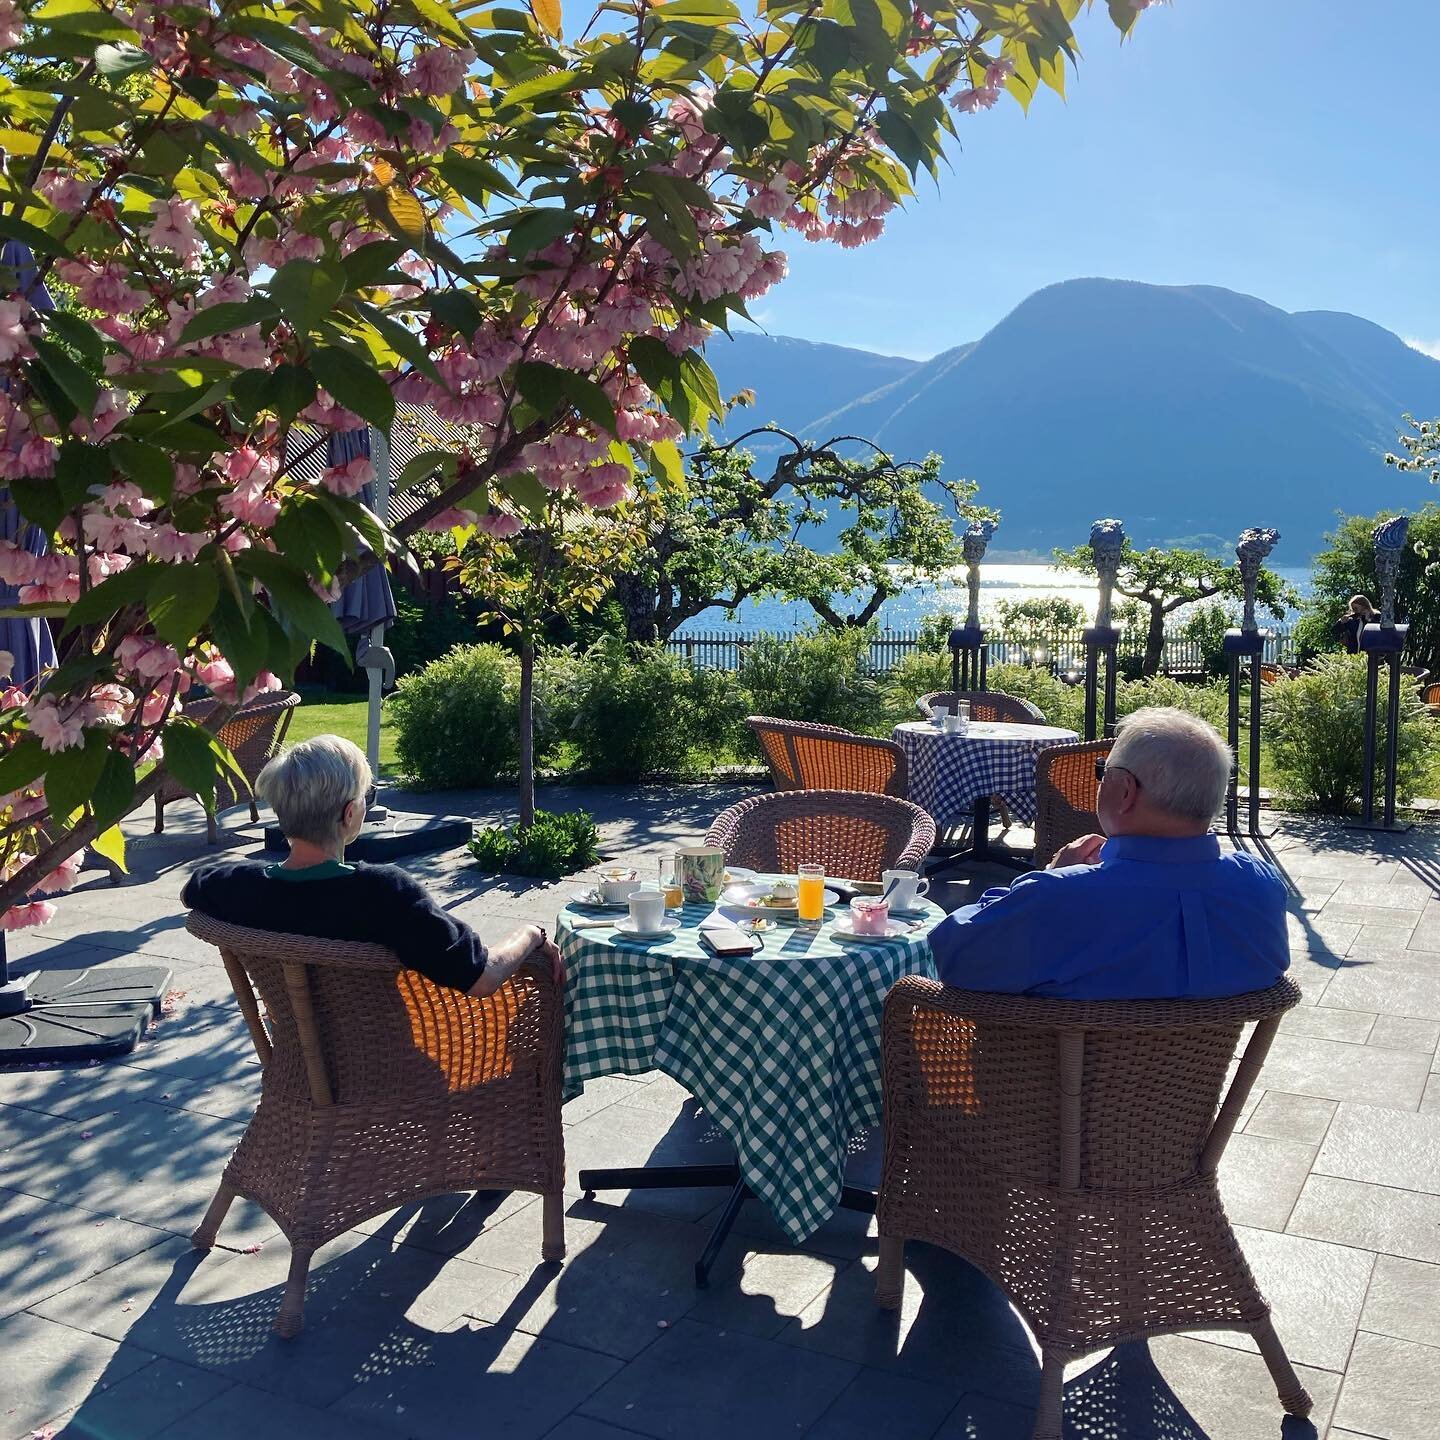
x=380, y=459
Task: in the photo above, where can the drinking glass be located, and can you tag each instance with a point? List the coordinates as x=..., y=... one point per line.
x=962, y=713
x=670, y=881
x=810, y=894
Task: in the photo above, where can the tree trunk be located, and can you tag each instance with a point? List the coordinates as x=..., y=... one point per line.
x=1154, y=642
x=639, y=602
x=527, y=731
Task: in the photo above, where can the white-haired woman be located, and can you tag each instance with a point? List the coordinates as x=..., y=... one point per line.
x=320, y=790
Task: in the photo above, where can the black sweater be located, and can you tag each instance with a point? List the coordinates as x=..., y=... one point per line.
x=376, y=903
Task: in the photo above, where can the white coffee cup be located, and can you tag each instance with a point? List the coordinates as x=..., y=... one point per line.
x=907, y=888
x=939, y=714
x=952, y=724
x=647, y=909
x=617, y=885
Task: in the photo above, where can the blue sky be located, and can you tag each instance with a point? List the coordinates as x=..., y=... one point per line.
x=1275, y=147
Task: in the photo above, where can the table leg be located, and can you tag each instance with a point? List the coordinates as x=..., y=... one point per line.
x=720, y=1234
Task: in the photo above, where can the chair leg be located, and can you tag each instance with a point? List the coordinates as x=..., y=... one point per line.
x=204, y=1235
x=159, y=816
x=1052, y=1383
x=552, y=1244
x=212, y=829
x=890, y=1273
x=1293, y=1395
x=254, y=813
x=291, y=1318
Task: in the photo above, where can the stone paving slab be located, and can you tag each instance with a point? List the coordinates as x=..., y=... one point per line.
x=438, y=1319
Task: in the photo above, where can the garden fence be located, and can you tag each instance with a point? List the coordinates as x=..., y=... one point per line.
x=1060, y=652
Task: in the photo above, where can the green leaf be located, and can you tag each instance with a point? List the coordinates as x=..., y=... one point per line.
x=535, y=229
x=666, y=463
x=229, y=316
x=22, y=764
x=699, y=379
x=181, y=600
x=424, y=465
x=307, y=536
x=654, y=363
x=526, y=491
x=355, y=384
x=474, y=178
x=189, y=758
x=242, y=640
x=306, y=291
x=458, y=310
x=31, y=235
x=288, y=391
x=115, y=592
x=697, y=10
x=542, y=87
x=367, y=263
x=75, y=384
x=403, y=342
x=71, y=776
x=79, y=468
x=111, y=799
x=111, y=843
x=147, y=465
x=115, y=62
x=548, y=386
x=292, y=599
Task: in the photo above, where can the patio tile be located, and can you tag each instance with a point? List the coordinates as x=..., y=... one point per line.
x=242, y=1409
x=1316, y=1291
x=46, y=1247
x=981, y=1417
x=1261, y=1178
x=1430, y=1100
x=1399, y=986
x=1391, y=1389
x=685, y=1387
x=1377, y=939
x=1426, y=938
x=768, y=1291
x=50, y=1369
x=1333, y=1070
x=144, y=1404
x=520, y=1385
x=1322, y=1022
x=80, y=1093
x=1319, y=933
x=1404, y=1301
x=1396, y=1032
x=467, y=1225
x=581, y=1427
x=1383, y=1147
x=1373, y=1217
x=1380, y=896
x=899, y=1408
x=1282, y=1116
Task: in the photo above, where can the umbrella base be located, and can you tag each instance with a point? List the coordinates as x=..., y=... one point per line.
x=395, y=839
x=79, y=1014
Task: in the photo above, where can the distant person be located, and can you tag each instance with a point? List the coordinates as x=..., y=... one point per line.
x=320, y=790
x=1153, y=912
x=1347, y=630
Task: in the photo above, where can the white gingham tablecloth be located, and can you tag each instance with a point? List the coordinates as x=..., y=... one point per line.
x=949, y=773
x=782, y=1049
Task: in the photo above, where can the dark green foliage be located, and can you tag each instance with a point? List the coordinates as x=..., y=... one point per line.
x=553, y=846
x=824, y=677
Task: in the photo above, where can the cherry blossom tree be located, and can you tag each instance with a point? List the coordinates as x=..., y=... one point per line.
x=263, y=222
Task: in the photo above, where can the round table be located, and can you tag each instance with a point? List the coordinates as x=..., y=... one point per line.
x=781, y=1048
x=950, y=774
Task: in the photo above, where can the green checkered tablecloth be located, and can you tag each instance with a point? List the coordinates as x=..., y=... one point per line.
x=782, y=1049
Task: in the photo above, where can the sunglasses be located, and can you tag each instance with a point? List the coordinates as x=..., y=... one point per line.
x=1100, y=773
x=371, y=791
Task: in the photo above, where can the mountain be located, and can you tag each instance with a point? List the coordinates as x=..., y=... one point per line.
x=1189, y=412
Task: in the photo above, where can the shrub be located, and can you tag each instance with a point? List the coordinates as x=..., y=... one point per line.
x=1206, y=626
x=634, y=710
x=553, y=846
x=822, y=677
x=423, y=632
x=913, y=675
x=1315, y=724
x=1210, y=702
x=1061, y=704
x=457, y=719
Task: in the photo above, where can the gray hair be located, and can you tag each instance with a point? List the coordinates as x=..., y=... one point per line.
x=1180, y=760
x=309, y=784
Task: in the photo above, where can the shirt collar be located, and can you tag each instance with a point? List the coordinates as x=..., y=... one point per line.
x=1158, y=850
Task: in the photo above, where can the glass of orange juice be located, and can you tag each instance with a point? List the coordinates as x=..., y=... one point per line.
x=670, y=882
x=810, y=894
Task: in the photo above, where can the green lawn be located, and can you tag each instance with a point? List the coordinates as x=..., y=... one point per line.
x=326, y=714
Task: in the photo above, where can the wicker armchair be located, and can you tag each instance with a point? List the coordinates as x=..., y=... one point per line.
x=1431, y=698
x=802, y=756
x=1065, y=791
x=853, y=835
x=1068, y=1149
x=987, y=705
x=380, y=1088
x=253, y=735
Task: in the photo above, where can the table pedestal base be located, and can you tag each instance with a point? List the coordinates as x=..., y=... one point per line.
x=688, y=1177
x=979, y=849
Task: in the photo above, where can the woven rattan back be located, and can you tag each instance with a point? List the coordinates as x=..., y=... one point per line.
x=804, y=756
x=253, y=734
x=1065, y=795
x=1431, y=695
x=985, y=705
x=857, y=836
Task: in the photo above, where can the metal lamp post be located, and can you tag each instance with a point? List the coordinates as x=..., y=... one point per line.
x=1107, y=541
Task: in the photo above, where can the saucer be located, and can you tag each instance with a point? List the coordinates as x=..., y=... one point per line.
x=668, y=926
x=591, y=900
x=844, y=929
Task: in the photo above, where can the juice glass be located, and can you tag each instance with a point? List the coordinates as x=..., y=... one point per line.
x=810, y=893
x=670, y=882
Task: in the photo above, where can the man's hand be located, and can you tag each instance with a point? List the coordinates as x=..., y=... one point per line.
x=1084, y=851
x=550, y=952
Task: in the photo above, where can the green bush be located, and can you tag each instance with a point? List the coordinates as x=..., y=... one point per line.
x=457, y=720
x=1210, y=701
x=1315, y=725
x=919, y=673
x=422, y=632
x=635, y=710
x=1061, y=704
x=822, y=677
x=553, y=846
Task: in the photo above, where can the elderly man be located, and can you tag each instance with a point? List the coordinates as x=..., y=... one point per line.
x=1155, y=911
x=320, y=790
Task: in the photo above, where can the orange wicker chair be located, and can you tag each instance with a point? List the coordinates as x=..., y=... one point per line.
x=1431, y=697
x=380, y=1088
x=1068, y=1149
x=1065, y=790
x=253, y=734
x=853, y=835
x=987, y=705
x=803, y=756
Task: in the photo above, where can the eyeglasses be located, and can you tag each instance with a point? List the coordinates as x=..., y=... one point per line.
x=371, y=791
x=1100, y=773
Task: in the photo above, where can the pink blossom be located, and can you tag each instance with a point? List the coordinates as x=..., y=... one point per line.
x=439, y=72
x=997, y=72
x=65, y=192
x=14, y=342
x=174, y=227
x=17, y=565
x=348, y=479
x=36, y=458
x=262, y=684
x=37, y=912
x=63, y=877
x=499, y=525
x=969, y=101
x=102, y=287
x=146, y=657
x=107, y=703
x=604, y=485
x=218, y=676
x=772, y=200
x=55, y=731
x=451, y=519
x=165, y=542
x=12, y=25
x=242, y=182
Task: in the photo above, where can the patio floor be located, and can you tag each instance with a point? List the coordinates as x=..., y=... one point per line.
x=438, y=1321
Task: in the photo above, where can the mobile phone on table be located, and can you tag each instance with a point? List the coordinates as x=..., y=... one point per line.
x=726, y=941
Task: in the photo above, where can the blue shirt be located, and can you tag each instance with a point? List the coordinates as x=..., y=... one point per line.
x=1155, y=919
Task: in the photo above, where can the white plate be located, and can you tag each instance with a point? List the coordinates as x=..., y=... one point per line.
x=747, y=895
x=844, y=929
x=734, y=874
x=590, y=899
x=668, y=926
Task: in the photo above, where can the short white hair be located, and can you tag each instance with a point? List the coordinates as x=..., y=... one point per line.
x=1181, y=761
x=308, y=786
